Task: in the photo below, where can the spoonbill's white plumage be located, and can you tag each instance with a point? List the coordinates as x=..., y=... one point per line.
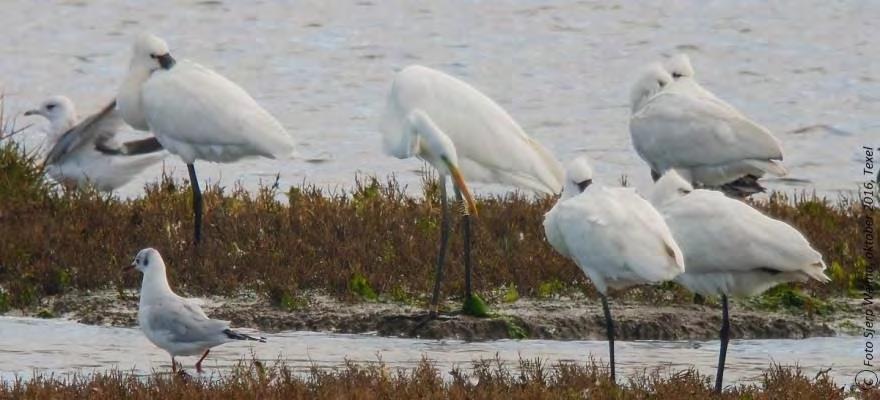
x=173, y=323
x=730, y=248
x=463, y=134
x=74, y=158
x=687, y=128
x=614, y=235
x=196, y=113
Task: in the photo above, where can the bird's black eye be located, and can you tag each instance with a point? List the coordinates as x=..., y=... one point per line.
x=146, y=262
x=661, y=83
x=683, y=191
x=50, y=106
x=153, y=56
x=677, y=75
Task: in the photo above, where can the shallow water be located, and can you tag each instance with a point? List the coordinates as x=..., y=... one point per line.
x=563, y=69
x=64, y=347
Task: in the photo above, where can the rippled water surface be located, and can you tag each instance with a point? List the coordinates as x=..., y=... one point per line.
x=33, y=345
x=562, y=68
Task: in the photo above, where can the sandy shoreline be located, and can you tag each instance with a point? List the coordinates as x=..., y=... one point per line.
x=560, y=319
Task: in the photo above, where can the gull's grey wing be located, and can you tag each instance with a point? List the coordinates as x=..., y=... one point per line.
x=132, y=148
x=184, y=322
x=98, y=128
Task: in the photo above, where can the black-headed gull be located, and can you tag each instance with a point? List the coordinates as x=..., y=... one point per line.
x=173, y=323
x=74, y=158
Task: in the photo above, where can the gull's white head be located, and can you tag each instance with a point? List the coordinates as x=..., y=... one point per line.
x=150, y=53
x=679, y=66
x=578, y=176
x=149, y=261
x=60, y=112
x=652, y=81
x=669, y=187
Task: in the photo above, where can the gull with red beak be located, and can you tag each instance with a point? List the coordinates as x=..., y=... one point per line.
x=463, y=134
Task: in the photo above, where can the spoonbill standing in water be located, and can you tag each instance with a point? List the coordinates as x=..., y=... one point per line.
x=468, y=137
x=614, y=235
x=196, y=113
x=77, y=156
x=730, y=248
x=173, y=323
x=686, y=127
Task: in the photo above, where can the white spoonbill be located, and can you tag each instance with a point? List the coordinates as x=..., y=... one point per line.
x=74, y=158
x=730, y=248
x=686, y=127
x=614, y=235
x=196, y=113
x=173, y=323
x=463, y=134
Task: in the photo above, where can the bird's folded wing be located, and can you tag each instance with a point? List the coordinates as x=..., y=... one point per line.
x=725, y=235
x=684, y=130
x=618, y=227
x=197, y=106
x=184, y=322
x=98, y=128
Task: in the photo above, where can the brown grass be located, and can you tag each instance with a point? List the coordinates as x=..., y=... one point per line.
x=54, y=240
x=487, y=380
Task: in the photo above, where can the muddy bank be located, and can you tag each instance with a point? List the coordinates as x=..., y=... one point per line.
x=562, y=319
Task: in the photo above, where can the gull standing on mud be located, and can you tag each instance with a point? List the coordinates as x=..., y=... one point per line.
x=173, y=323
x=730, y=248
x=676, y=123
x=614, y=235
x=196, y=113
x=77, y=156
x=467, y=136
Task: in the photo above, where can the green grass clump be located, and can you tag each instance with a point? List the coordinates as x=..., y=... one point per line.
x=550, y=288
x=786, y=297
x=510, y=295
x=359, y=286
x=475, y=306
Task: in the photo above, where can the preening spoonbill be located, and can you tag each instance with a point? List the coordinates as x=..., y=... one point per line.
x=466, y=136
x=196, y=113
x=731, y=249
x=74, y=158
x=614, y=235
x=173, y=323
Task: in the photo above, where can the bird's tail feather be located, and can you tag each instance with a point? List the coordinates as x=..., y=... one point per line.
x=241, y=336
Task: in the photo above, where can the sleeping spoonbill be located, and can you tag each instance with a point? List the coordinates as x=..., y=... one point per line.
x=196, y=113
x=74, y=158
x=730, y=248
x=686, y=127
x=463, y=134
x=614, y=235
x=173, y=323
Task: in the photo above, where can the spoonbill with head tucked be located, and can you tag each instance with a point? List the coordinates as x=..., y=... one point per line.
x=730, y=248
x=466, y=136
x=686, y=127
